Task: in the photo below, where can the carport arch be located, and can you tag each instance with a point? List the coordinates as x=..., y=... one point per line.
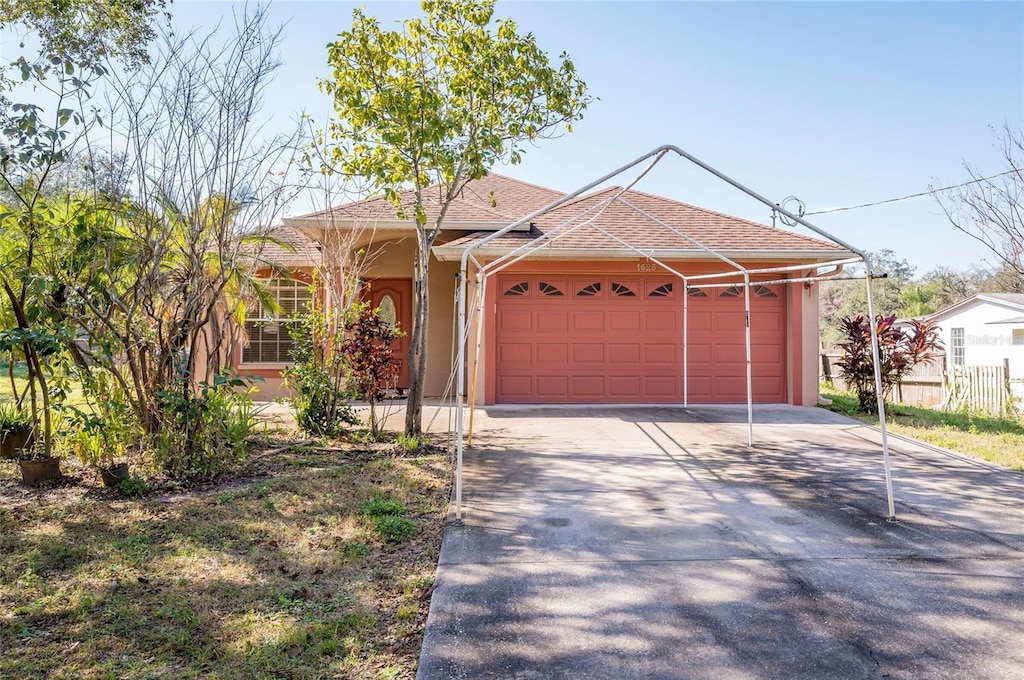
x=485, y=271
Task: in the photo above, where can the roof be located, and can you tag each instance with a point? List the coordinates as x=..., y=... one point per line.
x=1010, y=301
x=287, y=246
x=638, y=218
x=493, y=199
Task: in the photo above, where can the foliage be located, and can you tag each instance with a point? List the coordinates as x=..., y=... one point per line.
x=14, y=419
x=432, y=106
x=386, y=515
x=901, y=348
x=318, y=374
x=996, y=439
x=274, y=575
x=410, y=444
x=204, y=436
x=86, y=29
x=105, y=429
x=839, y=299
x=372, y=366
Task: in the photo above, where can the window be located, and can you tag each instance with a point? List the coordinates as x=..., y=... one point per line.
x=267, y=329
x=694, y=291
x=549, y=289
x=664, y=290
x=589, y=290
x=622, y=290
x=956, y=345
x=1018, y=336
x=519, y=289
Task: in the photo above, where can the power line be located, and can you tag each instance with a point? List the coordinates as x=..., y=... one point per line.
x=917, y=195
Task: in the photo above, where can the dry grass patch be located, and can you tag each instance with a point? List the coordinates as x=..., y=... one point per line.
x=281, y=574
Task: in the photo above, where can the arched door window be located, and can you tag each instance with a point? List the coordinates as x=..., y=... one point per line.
x=388, y=312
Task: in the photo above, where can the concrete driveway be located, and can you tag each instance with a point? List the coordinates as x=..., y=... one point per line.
x=652, y=543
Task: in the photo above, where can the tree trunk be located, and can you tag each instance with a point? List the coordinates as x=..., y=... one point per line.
x=418, y=338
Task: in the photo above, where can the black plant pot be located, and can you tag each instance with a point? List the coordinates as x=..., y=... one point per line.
x=115, y=474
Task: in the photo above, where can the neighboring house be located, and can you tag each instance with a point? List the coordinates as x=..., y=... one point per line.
x=585, y=320
x=985, y=330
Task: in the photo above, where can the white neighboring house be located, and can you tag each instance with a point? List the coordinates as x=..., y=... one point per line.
x=983, y=330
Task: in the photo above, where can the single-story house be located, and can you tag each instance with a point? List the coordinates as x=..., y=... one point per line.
x=984, y=330
x=586, y=319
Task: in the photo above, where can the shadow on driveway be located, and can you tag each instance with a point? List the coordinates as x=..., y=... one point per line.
x=652, y=543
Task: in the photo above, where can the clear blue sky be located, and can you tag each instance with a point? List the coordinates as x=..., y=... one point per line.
x=838, y=103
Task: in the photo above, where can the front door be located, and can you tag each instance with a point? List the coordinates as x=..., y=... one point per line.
x=394, y=299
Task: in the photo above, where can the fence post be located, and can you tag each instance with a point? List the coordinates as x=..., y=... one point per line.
x=1007, y=390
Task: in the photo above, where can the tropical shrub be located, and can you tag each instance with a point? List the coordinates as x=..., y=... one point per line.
x=373, y=368
x=318, y=375
x=901, y=348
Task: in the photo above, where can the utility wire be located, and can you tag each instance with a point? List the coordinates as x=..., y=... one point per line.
x=917, y=195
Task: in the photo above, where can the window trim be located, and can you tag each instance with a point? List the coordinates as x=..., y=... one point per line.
x=957, y=347
x=295, y=283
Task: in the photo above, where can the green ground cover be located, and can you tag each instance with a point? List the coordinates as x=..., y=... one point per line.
x=997, y=440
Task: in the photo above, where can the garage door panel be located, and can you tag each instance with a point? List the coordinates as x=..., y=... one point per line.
x=515, y=353
x=512, y=320
x=587, y=320
x=623, y=320
x=661, y=320
x=661, y=387
x=552, y=353
x=623, y=353
x=588, y=386
x=667, y=354
x=588, y=353
x=626, y=388
x=515, y=386
x=596, y=343
x=548, y=321
x=552, y=386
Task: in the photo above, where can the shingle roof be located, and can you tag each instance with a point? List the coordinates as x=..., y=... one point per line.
x=284, y=245
x=629, y=218
x=1012, y=298
x=495, y=198
x=502, y=200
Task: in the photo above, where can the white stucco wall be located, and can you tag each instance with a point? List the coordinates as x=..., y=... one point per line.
x=986, y=343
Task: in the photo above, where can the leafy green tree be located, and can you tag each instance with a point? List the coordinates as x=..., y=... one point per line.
x=433, y=105
x=839, y=299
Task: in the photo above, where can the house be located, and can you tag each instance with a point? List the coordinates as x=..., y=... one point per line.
x=985, y=330
x=586, y=319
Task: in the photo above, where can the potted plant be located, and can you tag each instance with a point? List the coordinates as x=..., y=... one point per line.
x=97, y=442
x=37, y=466
x=15, y=430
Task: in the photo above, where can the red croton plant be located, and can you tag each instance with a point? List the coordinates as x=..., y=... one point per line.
x=901, y=348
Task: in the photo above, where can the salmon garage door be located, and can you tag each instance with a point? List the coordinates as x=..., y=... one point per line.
x=618, y=339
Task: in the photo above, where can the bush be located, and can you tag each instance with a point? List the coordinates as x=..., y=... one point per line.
x=204, y=436
x=900, y=350
x=318, y=376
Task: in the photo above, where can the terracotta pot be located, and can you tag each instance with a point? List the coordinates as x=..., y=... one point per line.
x=115, y=474
x=12, y=442
x=35, y=472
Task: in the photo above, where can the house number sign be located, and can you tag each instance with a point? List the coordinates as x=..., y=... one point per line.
x=646, y=267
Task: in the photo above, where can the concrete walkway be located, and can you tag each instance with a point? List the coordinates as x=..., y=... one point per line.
x=651, y=543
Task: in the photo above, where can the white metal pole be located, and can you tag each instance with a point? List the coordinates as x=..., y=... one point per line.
x=876, y=356
x=481, y=293
x=750, y=380
x=686, y=340
x=460, y=390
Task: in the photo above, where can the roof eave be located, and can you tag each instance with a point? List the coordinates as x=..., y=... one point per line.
x=318, y=223
x=449, y=253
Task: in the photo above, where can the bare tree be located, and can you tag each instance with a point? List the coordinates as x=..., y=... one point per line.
x=180, y=247
x=991, y=209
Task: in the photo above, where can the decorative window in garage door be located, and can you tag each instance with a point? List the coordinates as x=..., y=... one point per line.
x=589, y=290
x=550, y=289
x=622, y=290
x=664, y=290
x=694, y=291
x=519, y=289
x=757, y=289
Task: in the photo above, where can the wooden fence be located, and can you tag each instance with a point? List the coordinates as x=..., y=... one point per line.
x=934, y=385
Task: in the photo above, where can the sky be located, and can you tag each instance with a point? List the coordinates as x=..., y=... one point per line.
x=835, y=103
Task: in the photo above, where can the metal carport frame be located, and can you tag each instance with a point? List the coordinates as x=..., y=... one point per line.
x=484, y=271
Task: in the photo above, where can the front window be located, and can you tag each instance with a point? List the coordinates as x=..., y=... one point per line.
x=956, y=345
x=269, y=341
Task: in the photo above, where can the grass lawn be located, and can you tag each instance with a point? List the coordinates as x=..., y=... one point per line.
x=316, y=564
x=997, y=440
